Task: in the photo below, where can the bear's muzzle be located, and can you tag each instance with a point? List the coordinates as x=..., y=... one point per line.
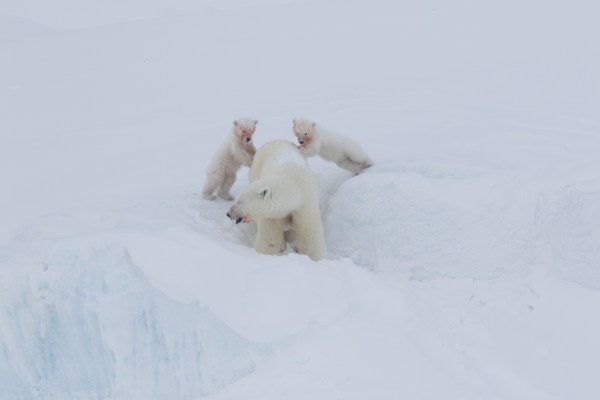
x=237, y=220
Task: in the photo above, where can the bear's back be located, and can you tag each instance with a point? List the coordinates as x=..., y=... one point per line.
x=271, y=155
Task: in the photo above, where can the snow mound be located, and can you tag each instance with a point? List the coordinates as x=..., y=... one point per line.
x=85, y=298
x=441, y=220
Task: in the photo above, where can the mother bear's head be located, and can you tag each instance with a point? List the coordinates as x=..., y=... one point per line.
x=270, y=197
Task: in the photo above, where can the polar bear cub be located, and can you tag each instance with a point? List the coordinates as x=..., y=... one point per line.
x=283, y=199
x=237, y=150
x=331, y=146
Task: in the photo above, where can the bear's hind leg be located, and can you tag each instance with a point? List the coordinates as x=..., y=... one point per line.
x=309, y=237
x=350, y=165
x=226, y=187
x=213, y=181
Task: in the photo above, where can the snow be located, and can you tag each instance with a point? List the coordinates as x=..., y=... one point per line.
x=463, y=264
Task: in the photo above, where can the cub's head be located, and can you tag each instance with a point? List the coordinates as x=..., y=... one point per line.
x=304, y=130
x=244, y=128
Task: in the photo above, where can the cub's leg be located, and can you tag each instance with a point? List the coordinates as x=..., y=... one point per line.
x=214, y=179
x=228, y=182
x=350, y=165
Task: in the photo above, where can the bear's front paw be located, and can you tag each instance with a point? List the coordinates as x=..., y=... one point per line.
x=276, y=248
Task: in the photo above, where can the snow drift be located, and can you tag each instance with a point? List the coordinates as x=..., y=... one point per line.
x=462, y=265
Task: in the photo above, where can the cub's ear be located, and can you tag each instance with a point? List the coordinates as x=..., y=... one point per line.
x=314, y=124
x=294, y=121
x=255, y=122
x=265, y=193
x=235, y=122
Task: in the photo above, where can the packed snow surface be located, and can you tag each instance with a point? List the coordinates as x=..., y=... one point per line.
x=465, y=264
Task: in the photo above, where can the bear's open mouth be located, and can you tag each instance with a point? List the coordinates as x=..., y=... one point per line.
x=238, y=219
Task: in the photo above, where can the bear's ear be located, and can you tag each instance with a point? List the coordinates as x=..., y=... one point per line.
x=294, y=121
x=314, y=124
x=235, y=122
x=255, y=122
x=265, y=193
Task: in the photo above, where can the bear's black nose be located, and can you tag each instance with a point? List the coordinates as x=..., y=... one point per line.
x=228, y=215
x=301, y=141
x=237, y=221
x=248, y=139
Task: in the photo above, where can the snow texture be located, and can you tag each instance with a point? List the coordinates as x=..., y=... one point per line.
x=463, y=265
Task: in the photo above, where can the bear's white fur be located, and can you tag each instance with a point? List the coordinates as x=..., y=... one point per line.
x=237, y=150
x=331, y=146
x=283, y=199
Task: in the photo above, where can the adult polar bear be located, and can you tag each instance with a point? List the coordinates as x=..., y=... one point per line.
x=283, y=199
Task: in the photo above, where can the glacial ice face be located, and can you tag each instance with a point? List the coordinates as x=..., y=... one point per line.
x=83, y=322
